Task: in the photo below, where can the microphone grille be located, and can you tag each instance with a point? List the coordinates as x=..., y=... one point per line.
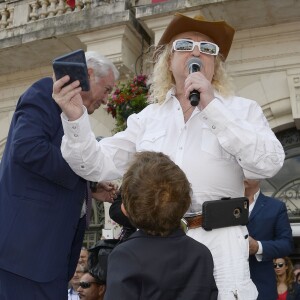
x=194, y=61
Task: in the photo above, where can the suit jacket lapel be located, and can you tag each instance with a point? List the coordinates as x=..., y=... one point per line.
x=259, y=205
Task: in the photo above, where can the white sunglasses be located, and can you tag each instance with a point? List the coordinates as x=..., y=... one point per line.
x=189, y=45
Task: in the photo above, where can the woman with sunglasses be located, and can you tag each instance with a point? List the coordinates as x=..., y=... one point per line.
x=218, y=139
x=287, y=288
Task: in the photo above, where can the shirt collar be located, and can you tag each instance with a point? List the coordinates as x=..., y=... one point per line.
x=251, y=206
x=171, y=93
x=72, y=291
x=255, y=196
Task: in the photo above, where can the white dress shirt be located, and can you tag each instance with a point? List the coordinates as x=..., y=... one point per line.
x=72, y=295
x=217, y=148
x=259, y=252
x=251, y=206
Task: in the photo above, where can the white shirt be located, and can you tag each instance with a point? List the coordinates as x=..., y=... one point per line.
x=72, y=295
x=216, y=147
x=259, y=252
x=251, y=206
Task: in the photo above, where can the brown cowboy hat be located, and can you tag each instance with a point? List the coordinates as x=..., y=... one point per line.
x=219, y=31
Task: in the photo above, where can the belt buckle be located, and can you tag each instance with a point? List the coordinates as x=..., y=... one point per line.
x=188, y=222
x=184, y=225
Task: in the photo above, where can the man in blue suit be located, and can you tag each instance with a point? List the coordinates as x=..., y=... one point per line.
x=42, y=220
x=270, y=236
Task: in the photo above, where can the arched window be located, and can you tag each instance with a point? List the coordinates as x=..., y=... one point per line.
x=285, y=185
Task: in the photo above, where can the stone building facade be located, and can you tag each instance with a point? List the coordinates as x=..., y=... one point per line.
x=264, y=60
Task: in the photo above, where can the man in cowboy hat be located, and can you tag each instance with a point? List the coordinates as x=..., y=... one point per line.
x=218, y=139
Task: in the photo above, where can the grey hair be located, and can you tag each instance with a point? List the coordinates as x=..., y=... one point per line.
x=100, y=64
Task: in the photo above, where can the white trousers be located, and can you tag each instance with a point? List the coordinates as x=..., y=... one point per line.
x=230, y=250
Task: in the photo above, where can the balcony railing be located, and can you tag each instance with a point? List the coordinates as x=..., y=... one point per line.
x=16, y=13
x=6, y=17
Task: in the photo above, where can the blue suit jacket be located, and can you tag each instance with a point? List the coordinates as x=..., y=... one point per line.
x=269, y=224
x=40, y=196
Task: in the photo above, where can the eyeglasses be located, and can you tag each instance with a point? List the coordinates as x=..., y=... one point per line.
x=189, y=45
x=279, y=265
x=87, y=284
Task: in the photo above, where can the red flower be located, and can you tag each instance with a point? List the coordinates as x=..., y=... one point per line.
x=128, y=98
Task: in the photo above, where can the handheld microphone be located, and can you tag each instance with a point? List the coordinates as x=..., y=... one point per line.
x=194, y=65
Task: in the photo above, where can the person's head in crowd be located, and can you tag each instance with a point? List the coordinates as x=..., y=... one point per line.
x=74, y=282
x=174, y=49
x=83, y=257
x=98, y=256
x=155, y=193
x=90, y=287
x=102, y=76
x=283, y=267
x=93, y=283
x=296, y=269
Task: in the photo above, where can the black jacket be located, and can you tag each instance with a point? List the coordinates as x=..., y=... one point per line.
x=146, y=267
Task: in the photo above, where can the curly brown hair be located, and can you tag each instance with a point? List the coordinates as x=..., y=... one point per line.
x=155, y=193
x=290, y=277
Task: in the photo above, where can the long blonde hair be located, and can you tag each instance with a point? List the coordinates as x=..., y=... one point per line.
x=162, y=78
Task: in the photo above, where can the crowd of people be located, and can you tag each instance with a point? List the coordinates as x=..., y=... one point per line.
x=174, y=156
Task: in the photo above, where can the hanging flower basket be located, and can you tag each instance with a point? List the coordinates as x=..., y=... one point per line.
x=129, y=97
